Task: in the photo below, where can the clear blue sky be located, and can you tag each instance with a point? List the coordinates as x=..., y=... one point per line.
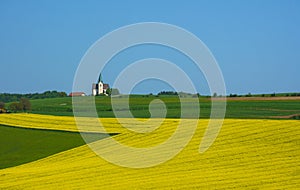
x=256, y=43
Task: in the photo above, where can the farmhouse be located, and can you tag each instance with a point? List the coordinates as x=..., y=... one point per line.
x=77, y=94
x=99, y=87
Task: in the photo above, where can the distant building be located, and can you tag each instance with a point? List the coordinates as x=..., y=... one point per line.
x=99, y=87
x=77, y=94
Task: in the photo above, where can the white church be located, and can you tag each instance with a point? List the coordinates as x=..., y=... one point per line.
x=100, y=88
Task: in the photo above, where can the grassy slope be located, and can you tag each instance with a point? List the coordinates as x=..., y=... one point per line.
x=23, y=145
x=248, y=154
x=139, y=107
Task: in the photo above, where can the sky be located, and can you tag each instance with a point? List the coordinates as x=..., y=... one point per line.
x=256, y=43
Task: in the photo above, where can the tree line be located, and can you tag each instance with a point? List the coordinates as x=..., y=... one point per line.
x=167, y=93
x=7, y=97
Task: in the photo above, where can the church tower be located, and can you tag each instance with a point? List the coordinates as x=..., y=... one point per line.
x=100, y=85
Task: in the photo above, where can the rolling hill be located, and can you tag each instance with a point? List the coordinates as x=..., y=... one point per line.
x=247, y=154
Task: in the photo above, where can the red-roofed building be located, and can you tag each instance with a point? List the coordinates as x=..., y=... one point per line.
x=77, y=94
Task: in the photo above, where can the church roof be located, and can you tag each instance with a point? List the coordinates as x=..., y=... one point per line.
x=105, y=86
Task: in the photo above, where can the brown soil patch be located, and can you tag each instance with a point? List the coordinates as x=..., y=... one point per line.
x=258, y=98
x=286, y=116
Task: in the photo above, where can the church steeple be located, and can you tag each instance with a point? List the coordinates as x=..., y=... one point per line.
x=100, y=78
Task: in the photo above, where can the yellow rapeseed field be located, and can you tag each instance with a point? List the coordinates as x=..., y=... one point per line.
x=247, y=154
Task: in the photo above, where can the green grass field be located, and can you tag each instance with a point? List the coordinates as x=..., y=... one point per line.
x=23, y=145
x=139, y=106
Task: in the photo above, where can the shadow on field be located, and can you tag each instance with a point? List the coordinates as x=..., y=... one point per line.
x=22, y=145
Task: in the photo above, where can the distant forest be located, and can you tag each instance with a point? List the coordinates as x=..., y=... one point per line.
x=6, y=97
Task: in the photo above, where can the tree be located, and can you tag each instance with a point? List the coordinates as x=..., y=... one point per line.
x=25, y=103
x=108, y=91
x=62, y=94
x=2, y=105
x=114, y=91
x=15, y=106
